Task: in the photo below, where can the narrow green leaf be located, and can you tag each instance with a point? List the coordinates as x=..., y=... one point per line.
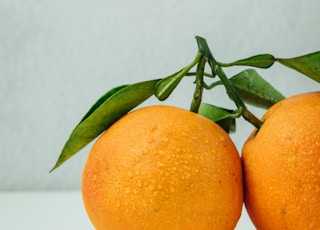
x=259, y=61
x=228, y=124
x=223, y=117
x=213, y=112
x=165, y=86
x=117, y=105
x=253, y=89
x=101, y=100
x=308, y=64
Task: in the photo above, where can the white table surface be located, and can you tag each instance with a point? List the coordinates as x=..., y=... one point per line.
x=54, y=210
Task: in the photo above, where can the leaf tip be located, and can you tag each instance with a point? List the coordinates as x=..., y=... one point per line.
x=62, y=158
x=54, y=167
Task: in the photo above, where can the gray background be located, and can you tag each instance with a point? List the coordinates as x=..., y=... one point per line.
x=57, y=57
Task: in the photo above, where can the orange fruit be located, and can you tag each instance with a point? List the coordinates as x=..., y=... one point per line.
x=282, y=166
x=162, y=167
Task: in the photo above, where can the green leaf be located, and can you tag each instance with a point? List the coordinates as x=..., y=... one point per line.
x=213, y=112
x=260, y=61
x=228, y=124
x=253, y=89
x=101, y=100
x=223, y=117
x=308, y=64
x=165, y=86
x=99, y=119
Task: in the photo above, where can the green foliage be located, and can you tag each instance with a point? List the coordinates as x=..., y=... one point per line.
x=101, y=100
x=108, y=110
x=260, y=61
x=309, y=64
x=221, y=116
x=255, y=90
x=246, y=87
x=166, y=85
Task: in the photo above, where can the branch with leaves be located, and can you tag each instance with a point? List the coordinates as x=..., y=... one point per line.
x=246, y=87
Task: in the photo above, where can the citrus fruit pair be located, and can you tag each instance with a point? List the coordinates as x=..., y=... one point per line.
x=162, y=167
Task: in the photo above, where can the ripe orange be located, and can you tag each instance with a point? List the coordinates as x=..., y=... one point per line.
x=282, y=166
x=163, y=167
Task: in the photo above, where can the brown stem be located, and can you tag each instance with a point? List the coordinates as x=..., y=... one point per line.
x=252, y=118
